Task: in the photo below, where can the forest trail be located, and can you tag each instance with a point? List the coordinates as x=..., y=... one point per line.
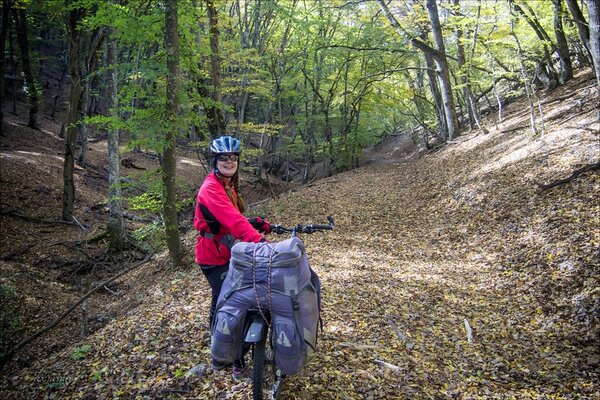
x=450, y=276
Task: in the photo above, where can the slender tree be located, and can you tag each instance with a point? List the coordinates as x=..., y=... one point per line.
x=433, y=56
x=594, y=11
x=545, y=70
x=443, y=71
x=524, y=75
x=169, y=155
x=278, y=69
x=462, y=68
x=30, y=81
x=75, y=16
x=465, y=69
x=6, y=11
x=434, y=86
x=566, y=68
x=115, y=203
x=216, y=123
x=582, y=26
x=92, y=42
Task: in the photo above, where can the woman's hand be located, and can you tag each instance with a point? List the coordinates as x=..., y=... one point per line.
x=260, y=224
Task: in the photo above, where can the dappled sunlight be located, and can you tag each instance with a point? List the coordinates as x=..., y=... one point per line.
x=190, y=162
x=339, y=328
x=525, y=147
x=427, y=287
x=51, y=133
x=464, y=263
x=29, y=156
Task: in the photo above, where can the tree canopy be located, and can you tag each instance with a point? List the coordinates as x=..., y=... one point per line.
x=301, y=83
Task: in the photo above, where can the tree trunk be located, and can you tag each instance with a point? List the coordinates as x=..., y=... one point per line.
x=13, y=67
x=471, y=104
x=356, y=154
x=278, y=73
x=89, y=64
x=594, y=11
x=421, y=117
x=582, y=27
x=75, y=16
x=566, y=68
x=430, y=54
x=444, y=76
x=544, y=69
x=216, y=123
x=435, y=91
x=329, y=139
x=6, y=9
x=85, y=105
x=463, y=70
x=526, y=80
x=169, y=156
x=30, y=81
x=115, y=203
x=309, y=134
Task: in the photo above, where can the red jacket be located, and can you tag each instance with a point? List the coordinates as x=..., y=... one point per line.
x=216, y=216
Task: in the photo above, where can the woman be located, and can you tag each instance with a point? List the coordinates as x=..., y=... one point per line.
x=219, y=221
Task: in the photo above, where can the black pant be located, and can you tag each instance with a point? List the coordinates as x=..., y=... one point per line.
x=215, y=275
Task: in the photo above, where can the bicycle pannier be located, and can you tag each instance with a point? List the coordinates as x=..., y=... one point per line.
x=277, y=276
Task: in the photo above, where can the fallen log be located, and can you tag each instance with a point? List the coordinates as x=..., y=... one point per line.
x=574, y=175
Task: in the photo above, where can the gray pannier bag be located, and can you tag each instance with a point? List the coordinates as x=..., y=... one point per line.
x=276, y=276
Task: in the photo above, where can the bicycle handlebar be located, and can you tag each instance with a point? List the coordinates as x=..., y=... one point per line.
x=310, y=228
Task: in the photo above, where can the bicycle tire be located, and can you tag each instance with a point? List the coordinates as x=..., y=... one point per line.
x=260, y=384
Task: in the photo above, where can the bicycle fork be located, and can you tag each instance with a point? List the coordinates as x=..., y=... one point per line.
x=257, y=332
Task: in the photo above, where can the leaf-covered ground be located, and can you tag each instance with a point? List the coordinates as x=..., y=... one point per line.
x=452, y=276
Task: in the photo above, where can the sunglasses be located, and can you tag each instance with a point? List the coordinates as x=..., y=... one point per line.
x=228, y=157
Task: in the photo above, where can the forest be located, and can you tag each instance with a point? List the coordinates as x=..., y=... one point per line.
x=456, y=142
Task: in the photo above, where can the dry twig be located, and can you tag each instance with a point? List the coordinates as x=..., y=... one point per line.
x=9, y=354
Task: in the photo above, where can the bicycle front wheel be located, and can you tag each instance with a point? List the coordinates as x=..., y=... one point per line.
x=262, y=376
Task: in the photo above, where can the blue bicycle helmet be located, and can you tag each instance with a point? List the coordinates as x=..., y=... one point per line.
x=225, y=144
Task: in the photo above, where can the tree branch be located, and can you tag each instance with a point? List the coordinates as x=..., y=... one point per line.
x=39, y=220
x=8, y=355
x=341, y=46
x=574, y=175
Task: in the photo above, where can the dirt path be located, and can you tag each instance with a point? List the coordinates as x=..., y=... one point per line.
x=448, y=277
x=402, y=295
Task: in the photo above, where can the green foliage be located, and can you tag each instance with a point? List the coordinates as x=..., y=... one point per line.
x=295, y=148
x=145, y=192
x=58, y=384
x=10, y=321
x=150, y=202
x=250, y=128
x=96, y=375
x=336, y=71
x=179, y=373
x=81, y=352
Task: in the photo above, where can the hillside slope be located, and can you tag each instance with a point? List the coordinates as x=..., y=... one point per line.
x=423, y=251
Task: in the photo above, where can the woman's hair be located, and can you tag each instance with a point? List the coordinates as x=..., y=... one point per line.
x=235, y=180
x=236, y=186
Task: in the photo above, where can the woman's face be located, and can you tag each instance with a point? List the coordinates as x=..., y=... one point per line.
x=227, y=164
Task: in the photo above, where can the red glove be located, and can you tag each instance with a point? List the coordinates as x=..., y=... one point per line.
x=260, y=224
